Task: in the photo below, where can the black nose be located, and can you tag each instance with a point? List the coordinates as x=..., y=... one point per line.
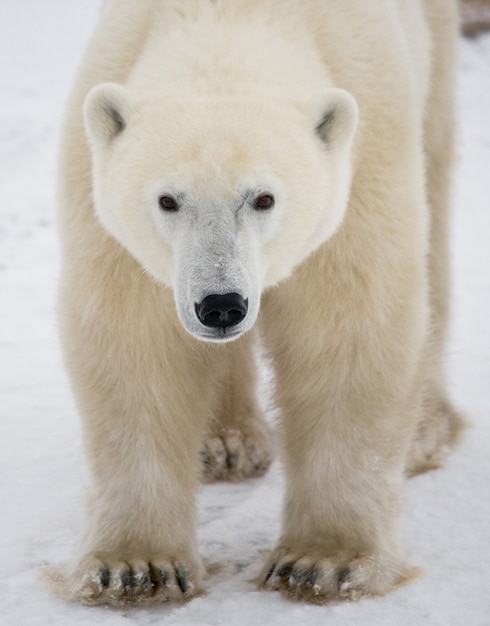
x=222, y=310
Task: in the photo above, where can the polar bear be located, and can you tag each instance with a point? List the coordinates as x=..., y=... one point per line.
x=233, y=167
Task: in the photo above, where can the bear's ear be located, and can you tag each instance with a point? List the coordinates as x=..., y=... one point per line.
x=334, y=114
x=106, y=111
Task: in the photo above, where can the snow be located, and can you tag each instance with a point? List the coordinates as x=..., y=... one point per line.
x=42, y=480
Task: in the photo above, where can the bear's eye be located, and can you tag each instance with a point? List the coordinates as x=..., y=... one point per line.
x=263, y=202
x=167, y=203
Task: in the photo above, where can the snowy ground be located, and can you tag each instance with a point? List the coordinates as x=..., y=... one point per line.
x=447, y=524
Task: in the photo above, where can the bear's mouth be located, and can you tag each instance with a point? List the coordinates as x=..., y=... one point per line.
x=218, y=317
x=220, y=328
x=218, y=335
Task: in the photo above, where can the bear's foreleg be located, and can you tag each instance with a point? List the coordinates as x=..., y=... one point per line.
x=346, y=353
x=145, y=391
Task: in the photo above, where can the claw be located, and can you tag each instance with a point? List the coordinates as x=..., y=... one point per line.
x=232, y=460
x=312, y=578
x=270, y=572
x=163, y=577
x=181, y=579
x=126, y=581
x=344, y=580
x=285, y=570
x=105, y=577
x=297, y=575
x=143, y=580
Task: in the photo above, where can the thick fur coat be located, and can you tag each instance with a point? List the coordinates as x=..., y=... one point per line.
x=275, y=165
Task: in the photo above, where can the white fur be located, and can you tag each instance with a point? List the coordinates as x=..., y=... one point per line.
x=342, y=111
x=215, y=243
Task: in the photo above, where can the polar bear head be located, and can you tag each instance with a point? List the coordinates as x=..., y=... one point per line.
x=219, y=197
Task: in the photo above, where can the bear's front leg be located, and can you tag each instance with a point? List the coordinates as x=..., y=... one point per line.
x=145, y=391
x=340, y=529
x=138, y=547
x=347, y=374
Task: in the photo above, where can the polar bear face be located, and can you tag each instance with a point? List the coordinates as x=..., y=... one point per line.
x=219, y=198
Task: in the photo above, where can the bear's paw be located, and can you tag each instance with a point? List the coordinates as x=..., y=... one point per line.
x=323, y=578
x=235, y=455
x=109, y=580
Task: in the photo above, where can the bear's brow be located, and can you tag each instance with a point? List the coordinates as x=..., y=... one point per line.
x=248, y=194
x=246, y=197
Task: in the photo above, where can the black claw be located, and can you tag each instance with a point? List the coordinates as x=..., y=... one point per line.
x=297, y=575
x=145, y=582
x=232, y=460
x=312, y=578
x=163, y=577
x=105, y=577
x=206, y=458
x=181, y=579
x=126, y=580
x=344, y=577
x=270, y=572
x=285, y=570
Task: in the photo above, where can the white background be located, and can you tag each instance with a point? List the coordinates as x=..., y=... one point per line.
x=447, y=521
